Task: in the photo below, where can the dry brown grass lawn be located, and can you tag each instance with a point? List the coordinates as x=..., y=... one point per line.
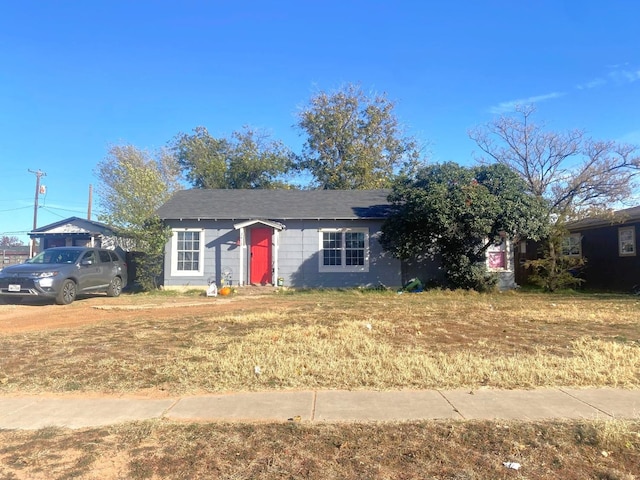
x=338, y=339
x=421, y=450
x=314, y=340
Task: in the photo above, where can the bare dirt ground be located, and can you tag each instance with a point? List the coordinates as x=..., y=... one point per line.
x=39, y=315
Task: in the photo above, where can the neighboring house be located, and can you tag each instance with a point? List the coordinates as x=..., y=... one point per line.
x=609, y=246
x=524, y=251
x=75, y=231
x=298, y=238
x=13, y=255
x=80, y=232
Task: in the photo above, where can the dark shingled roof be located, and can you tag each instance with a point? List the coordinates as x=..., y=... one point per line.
x=276, y=204
x=618, y=217
x=89, y=224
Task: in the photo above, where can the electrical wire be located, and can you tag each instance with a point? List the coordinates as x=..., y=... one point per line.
x=45, y=209
x=18, y=208
x=61, y=209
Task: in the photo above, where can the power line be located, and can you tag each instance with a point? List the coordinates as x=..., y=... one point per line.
x=52, y=212
x=44, y=207
x=14, y=209
x=14, y=200
x=61, y=209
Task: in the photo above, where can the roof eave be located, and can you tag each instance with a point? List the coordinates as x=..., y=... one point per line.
x=235, y=219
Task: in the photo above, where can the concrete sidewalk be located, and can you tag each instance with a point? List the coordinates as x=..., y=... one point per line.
x=35, y=412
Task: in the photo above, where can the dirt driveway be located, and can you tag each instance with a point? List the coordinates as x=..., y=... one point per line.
x=34, y=315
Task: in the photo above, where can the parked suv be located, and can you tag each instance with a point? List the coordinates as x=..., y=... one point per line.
x=63, y=273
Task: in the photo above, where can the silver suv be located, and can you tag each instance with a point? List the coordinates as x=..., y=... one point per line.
x=63, y=273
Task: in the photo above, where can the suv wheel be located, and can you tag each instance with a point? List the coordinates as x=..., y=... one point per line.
x=67, y=293
x=115, y=287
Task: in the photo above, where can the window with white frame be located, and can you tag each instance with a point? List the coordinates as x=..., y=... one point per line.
x=497, y=255
x=344, y=250
x=627, y=241
x=572, y=245
x=187, y=252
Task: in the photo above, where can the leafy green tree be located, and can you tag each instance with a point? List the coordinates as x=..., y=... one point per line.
x=248, y=159
x=152, y=237
x=575, y=175
x=456, y=213
x=133, y=184
x=354, y=141
x=553, y=271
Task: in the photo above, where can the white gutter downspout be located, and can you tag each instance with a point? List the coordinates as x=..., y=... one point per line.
x=276, y=249
x=242, y=253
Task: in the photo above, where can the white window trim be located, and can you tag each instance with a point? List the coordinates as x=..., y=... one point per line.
x=174, y=254
x=579, y=254
x=507, y=258
x=631, y=229
x=343, y=268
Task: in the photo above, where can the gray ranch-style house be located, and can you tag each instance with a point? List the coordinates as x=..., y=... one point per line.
x=291, y=238
x=297, y=238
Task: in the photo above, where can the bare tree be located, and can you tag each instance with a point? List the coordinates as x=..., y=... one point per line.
x=574, y=174
x=11, y=241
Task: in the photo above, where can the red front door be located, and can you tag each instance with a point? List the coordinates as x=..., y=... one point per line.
x=260, y=266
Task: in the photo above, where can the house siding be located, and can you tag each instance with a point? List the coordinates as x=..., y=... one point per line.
x=220, y=251
x=300, y=265
x=605, y=268
x=298, y=261
x=507, y=278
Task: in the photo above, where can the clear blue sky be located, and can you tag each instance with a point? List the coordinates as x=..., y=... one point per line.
x=77, y=77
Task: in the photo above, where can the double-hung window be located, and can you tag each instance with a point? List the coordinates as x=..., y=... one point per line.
x=627, y=241
x=498, y=255
x=572, y=245
x=344, y=250
x=187, y=252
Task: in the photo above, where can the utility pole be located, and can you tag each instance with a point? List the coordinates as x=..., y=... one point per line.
x=90, y=201
x=39, y=174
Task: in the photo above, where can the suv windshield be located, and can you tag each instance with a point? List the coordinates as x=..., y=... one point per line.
x=56, y=256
